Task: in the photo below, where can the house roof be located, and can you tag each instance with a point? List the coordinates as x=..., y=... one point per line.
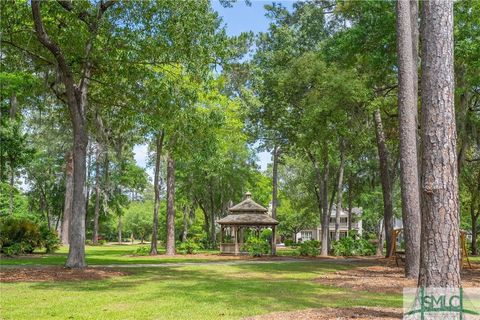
x=248, y=212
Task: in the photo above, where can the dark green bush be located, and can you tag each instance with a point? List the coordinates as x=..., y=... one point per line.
x=188, y=247
x=256, y=246
x=353, y=245
x=290, y=243
x=309, y=248
x=22, y=233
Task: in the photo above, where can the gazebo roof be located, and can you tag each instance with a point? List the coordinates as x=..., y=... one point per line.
x=248, y=206
x=248, y=212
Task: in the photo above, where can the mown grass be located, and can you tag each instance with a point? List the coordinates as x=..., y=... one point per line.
x=103, y=255
x=120, y=254
x=187, y=292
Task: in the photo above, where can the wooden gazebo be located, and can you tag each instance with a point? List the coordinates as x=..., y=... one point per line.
x=246, y=215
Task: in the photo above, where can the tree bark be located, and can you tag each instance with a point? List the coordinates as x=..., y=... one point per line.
x=13, y=106
x=339, y=190
x=439, y=261
x=97, y=195
x=326, y=213
x=67, y=209
x=12, y=182
x=119, y=229
x=350, y=185
x=157, y=189
x=170, y=205
x=474, y=217
x=381, y=235
x=407, y=109
x=185, y=224
x=276, y=153
x=385, y=179
x=87, y=183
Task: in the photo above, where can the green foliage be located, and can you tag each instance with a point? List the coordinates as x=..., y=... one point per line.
x=256, y=246
x=290, y=243
x=20, y=231
x=309, y=248
x=188, y=247
x=21, y=235
x=50, y=239
x=352, y=245
x=142, y=251
x=138, y=219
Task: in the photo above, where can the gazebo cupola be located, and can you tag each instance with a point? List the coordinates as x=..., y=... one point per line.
x=246, y=215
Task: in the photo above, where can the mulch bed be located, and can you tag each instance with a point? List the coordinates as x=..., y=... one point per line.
x=57, y=274
x=334, y=313
x=385, y=277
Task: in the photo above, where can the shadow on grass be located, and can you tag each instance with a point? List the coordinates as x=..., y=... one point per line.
x=268, y=286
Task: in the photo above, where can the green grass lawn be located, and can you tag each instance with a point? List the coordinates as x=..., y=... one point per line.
x=120, y=254
x=187, y=292
x=102, y=255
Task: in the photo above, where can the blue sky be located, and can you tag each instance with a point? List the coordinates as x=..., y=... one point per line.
x=237, y=19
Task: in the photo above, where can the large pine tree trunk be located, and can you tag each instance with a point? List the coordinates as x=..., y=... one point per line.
x=407, y=108
x=67, y=209
x=157, y=188
x=339, y=190
x=439, y=262
x=385, y=179
x=97, y=195
x=170, y=205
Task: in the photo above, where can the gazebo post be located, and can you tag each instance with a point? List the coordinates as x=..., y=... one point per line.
x=273, y=242
x=235, y=230
x=221, y=237
x=241, y=236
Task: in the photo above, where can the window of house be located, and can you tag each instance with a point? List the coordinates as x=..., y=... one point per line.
x=343, y=220
x=332, y=220
x=307, y=235
x=343, y=234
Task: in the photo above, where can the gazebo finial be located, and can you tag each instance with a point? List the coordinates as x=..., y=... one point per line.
x=248, y=195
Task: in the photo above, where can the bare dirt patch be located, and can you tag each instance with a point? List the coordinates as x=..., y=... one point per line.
x=57, y=274
x=385, y=277
x=334, y=313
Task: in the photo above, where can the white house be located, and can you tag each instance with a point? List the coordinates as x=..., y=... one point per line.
x=315, y=233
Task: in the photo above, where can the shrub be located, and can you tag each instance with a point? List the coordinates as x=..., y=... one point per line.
x=102, y=242
x=142, y=251
x=188, y=247
x=88, y=242
x=290, y=243
x=256, y=246
x=353, y=246
x=309, y=248
x=21, y=232
x=18, y=248
x=50, y=240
